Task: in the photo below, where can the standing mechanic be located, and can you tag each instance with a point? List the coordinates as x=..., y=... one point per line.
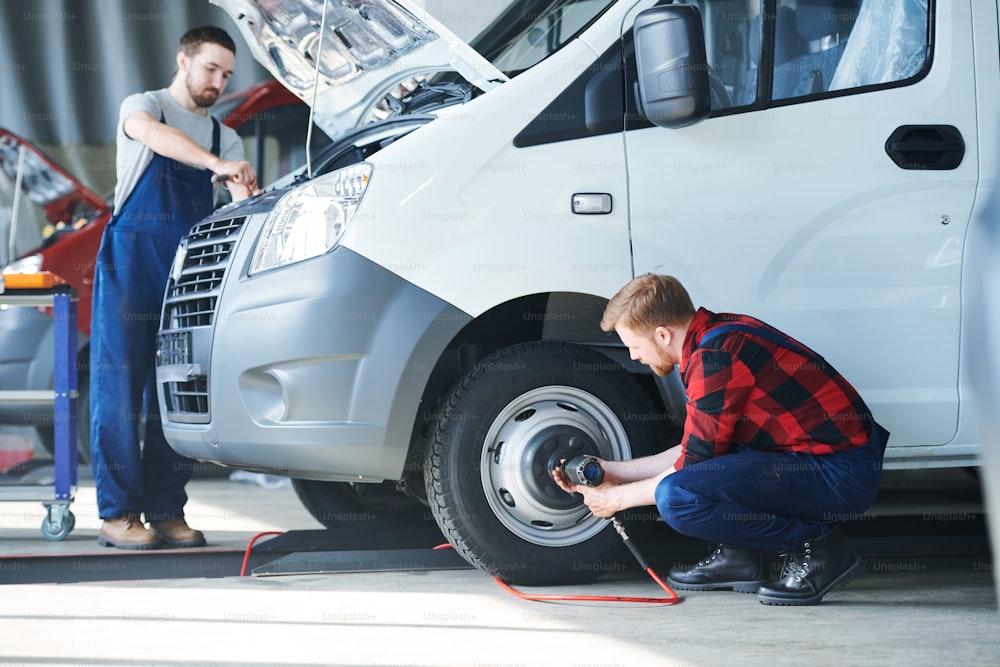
x=778, y=448
x=168, y=147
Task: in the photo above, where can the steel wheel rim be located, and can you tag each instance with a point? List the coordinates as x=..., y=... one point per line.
x=524, y=443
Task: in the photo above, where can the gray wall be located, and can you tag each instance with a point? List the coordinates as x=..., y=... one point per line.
x=65, y=65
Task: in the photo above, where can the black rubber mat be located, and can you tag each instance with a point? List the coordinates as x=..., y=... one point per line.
x=373, y=560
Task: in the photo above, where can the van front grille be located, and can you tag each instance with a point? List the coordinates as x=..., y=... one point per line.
x=192, y=296
x=193, y=292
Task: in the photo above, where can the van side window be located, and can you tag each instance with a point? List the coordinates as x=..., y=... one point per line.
x=830, y=45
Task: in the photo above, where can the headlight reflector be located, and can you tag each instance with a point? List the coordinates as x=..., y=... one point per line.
x=311, y=219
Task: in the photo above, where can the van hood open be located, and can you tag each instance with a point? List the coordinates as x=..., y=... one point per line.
x=370, y=48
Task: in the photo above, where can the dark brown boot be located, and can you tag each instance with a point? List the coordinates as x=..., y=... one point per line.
x=175, y=532
x=127, y=532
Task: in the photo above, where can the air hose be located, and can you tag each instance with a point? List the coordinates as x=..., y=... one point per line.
x=672, y=599
x=583, y=470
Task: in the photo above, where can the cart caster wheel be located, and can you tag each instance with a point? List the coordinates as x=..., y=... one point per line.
x=54, y=533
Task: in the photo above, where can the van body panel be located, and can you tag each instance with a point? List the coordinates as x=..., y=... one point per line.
x=822, y=235
x=793, y=211
x=506, y=211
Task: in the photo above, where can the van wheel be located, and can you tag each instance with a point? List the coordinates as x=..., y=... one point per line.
x=338, y=504
x=495, y=441
x=47, y=435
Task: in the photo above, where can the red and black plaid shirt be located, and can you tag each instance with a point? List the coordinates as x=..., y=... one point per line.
x=746, y=389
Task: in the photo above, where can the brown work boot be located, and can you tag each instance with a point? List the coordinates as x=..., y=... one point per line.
x=127, y=532
x=175, y=532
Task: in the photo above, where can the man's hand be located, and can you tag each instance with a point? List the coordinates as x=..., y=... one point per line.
x=627, y=484
x=601, y=500
x=239, y=176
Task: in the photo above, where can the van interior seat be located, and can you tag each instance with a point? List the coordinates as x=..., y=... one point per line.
x=821, y=29
x=889, y=42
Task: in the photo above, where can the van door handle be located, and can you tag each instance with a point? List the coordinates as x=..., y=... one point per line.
x=935, y=147
x=591, y=203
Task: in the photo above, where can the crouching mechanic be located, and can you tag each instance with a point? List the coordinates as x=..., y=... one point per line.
x=778, y=448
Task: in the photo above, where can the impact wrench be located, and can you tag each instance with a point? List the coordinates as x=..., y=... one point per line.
x=587, y=471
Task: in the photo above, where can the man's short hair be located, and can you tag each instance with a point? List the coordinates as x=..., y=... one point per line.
x=649, y=301
x=192, y=40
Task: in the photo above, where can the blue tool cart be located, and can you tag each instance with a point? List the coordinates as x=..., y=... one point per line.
x=59, y=520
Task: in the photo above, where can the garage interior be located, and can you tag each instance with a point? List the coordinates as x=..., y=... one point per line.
x=276, y=585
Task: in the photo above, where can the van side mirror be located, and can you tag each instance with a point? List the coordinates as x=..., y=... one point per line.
x=673, y=68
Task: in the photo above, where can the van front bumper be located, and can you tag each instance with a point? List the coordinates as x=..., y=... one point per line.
x=314, y=371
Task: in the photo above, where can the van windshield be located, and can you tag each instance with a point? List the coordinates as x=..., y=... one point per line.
x=524, y=32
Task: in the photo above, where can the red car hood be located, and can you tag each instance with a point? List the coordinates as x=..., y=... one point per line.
x=45, y=182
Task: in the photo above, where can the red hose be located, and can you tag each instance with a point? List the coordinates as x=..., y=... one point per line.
x=673, y=599
x=246, y=554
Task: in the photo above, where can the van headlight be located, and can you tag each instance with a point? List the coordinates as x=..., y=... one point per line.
x=311, y=219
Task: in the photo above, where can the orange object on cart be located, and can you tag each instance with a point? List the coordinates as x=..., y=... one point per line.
x=41, y=280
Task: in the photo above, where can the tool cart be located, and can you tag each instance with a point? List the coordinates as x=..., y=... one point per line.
x=46, y=290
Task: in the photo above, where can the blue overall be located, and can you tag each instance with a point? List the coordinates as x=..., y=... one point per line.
x=136, y=252
x=771, y=501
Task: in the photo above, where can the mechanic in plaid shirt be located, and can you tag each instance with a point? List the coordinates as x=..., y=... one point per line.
x=778, y=448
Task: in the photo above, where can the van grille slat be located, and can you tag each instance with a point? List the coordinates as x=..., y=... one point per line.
x=187, y=398
x=191, y=301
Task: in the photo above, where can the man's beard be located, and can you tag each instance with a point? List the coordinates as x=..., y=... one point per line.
x=205, y=98
x=662, y=365
x=661, y=370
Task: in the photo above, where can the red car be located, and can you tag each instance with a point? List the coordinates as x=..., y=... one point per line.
x=268, y=117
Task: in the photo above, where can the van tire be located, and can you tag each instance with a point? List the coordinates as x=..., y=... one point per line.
x=497, y=436
x=339, y=504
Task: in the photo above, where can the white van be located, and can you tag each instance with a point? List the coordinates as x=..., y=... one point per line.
x=425, y=318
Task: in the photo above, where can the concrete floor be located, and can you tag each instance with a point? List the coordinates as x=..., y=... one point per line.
x=916, y=610
x=939, y=616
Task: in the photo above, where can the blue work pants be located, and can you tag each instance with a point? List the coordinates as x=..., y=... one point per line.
x=771, y=501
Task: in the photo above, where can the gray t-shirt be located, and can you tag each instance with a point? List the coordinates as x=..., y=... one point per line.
x=134, y=156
